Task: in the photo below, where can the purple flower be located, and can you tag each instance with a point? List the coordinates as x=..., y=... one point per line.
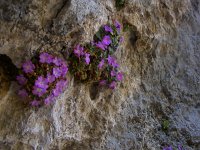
x=120, y=76
x=87, y=58
x=117, y=25
x=113, y=85
x=35, y=103
x=108, y=28
x=57, y=72
x=41, y=82
x=64, y=69
x=101, y=45
x=112, y=61
x=121, y=40
x=100, y=66
x=59, y=87
x=46, y=58
x=78, y=51
x=168, y=148
x=180, y=147
x=28, y=67
x=113, y=73
x=38, y=91
x=21, y=79
x=106, y=40
x=57, y=61
x=102, y=82
x=48, y=100
x=23, y=93
x=50, y=78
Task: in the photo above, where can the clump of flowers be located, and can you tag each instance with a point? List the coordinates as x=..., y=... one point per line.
x=94, y=62
x=42, y=79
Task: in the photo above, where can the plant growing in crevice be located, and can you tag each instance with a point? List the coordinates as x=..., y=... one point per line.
x=42, y=78
x=165, y=125
x=94, y=62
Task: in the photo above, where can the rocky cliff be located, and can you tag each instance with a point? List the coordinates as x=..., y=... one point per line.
x=160, y=57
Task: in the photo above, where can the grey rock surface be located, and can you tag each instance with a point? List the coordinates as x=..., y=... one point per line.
x=160, y=58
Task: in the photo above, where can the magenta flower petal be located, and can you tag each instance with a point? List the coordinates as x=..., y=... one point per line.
x=101, y=45
x=64, y=70
x=118, y=26
x=57, y=72
x=100, y=66
x=102, y=82
x=108, y=29
x=35, y=103
x=60, y=85
x=21, y=79
x=57, y=61
x=113, y=85
x=168, y=148
x=48, y=100
x=113, y=73
x=106, y=40
x=46, y=58
x=121, y=40
x=41, y=82
x=120, y=76
x=38, y=91
x=28, y=67
x=50, y=78
x=112, y=61
x=87, y=58
x=79, y=51
x=22, y=93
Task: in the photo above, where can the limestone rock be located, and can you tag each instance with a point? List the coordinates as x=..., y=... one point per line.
x=160, y=59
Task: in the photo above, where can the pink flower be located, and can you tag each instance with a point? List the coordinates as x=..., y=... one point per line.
x=78, y=51
x=113, y=73
x=48, y=100
x=57, y=61
x=46, y=58
x=28, y=67
x=50, y=78
x=118, y=26
x=106, y=40
x=113, y=85
x=102, y=82
x=23, y=93
x=35, y=103
x=38, y=91
x=120, y=76
x=57, y=72
x=21, y=79
x=101, y=45
x=87, y=58
x=41, y=82
x=100, y=66
x=108, y=28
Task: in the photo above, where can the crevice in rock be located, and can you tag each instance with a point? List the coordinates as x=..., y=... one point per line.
x=93, y=91
x=66, y=3
x=134, y=35
x=9, y=69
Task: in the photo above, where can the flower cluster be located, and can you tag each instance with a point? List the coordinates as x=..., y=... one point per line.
x=95, y=61
x=42, y=79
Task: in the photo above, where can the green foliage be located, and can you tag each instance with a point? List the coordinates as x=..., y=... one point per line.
x=165, y=125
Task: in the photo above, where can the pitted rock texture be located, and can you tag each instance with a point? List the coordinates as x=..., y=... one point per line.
x=160, y=59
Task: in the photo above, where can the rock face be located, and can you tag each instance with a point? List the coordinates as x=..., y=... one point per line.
x=160, y=59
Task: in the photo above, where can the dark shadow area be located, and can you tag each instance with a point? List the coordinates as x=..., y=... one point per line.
x=10, y=70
